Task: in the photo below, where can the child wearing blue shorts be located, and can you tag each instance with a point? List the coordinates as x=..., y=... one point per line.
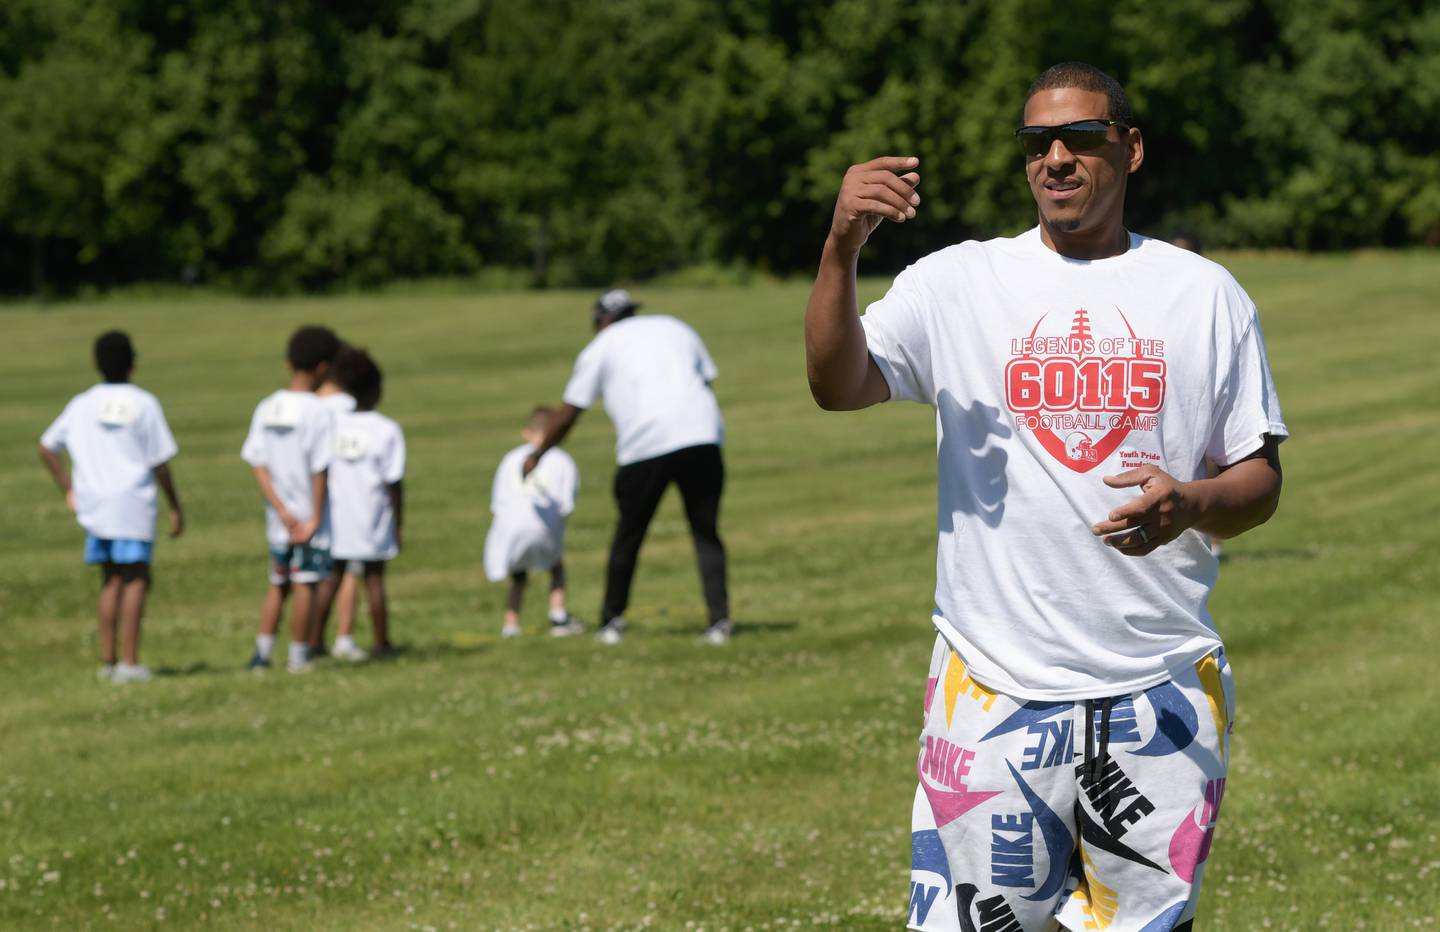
x=119, y=447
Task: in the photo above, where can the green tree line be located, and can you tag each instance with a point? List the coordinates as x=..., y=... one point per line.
x=283, y=144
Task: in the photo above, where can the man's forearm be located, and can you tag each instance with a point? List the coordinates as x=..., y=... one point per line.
x=554, y=432
x=842, y=375
x=558, y=427
x=836, y=358
x=1240, y=498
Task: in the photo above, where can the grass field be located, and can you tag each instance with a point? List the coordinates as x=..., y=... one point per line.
x=478, y=784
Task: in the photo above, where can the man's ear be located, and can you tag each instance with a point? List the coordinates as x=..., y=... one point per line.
x=1137, y=149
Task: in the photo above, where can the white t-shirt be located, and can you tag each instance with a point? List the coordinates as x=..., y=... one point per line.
x=655, y=375
x=528, y=530
x=292, y=436
x=369, y=457
x=116, y=435
x=1046, y=374
x=337, y=403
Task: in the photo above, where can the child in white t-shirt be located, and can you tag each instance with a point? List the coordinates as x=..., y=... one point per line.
x=528, y=531
x=367, y=504
x=337, y=401
x=289, y=447
x=120, y=447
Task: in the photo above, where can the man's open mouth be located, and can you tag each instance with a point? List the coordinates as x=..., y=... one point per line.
x=1062, y=190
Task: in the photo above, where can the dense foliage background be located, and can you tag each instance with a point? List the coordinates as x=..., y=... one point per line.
x=282, y=144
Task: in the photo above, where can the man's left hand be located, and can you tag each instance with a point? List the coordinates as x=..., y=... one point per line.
x=1162, y=512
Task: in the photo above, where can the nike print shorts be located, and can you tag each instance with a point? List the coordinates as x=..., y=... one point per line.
x=1096, y=814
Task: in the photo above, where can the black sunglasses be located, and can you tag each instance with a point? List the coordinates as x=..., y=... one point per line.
x=1080, y=136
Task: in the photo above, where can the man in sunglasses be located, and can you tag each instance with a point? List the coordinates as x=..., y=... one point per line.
x=1104, y=409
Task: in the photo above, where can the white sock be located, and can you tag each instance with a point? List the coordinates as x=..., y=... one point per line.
x=264, y=645
x=558, y=616
x=299, y=652
x=344, y=642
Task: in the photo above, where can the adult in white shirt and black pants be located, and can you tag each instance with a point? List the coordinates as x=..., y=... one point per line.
x=654, y=375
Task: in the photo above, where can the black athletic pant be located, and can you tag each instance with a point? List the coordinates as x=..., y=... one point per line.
x=700, y=474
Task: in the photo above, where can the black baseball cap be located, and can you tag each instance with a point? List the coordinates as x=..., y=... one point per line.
x=615, y=301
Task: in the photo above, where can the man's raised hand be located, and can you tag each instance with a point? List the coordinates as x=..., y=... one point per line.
x=873, y=191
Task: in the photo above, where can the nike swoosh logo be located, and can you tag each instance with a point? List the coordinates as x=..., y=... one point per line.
x=1175, y=721
x=1058, y=841
x=927, y=853
x=966, y=894
x=1190, y=845
x=949, y=805
x=1165, y=922
x=1094, y=834
x=1028, y=714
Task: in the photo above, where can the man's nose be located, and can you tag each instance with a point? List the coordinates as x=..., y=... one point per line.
x=1058, y=156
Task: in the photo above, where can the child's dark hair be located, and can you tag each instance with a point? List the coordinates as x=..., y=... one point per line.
x=114, y=355
x=539, y=418
x=312, y=346
x=360, y=377
x=1187, y=239
x=342, y=369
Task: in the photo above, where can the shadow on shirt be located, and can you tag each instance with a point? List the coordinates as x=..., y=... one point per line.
x=971, y=469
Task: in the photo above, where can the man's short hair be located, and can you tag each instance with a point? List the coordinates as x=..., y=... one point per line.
x=539, y=418
x=311, y=346
x=114, y=355
x=360, y=377
x=1085, y=77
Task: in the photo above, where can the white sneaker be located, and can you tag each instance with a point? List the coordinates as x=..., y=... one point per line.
x=720, y=632
x=613, y=632
x=106, y=672
x=564, y=629
x=296, y=665
x=510, y=631
x=351, y=652
x=130, y=673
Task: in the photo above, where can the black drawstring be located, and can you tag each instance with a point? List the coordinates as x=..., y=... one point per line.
x=1101, y=759
x=1095, y=763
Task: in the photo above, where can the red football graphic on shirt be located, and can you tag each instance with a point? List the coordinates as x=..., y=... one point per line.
x=1081, y=392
